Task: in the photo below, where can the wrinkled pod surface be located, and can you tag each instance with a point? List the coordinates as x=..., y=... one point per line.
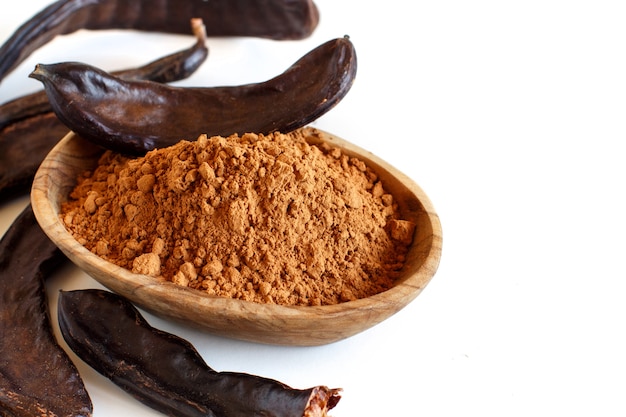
x=37, y=378
x=135, y=117
x=166, y=372
x=273, y=19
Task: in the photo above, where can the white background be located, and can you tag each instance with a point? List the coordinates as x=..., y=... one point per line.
x=510, y=115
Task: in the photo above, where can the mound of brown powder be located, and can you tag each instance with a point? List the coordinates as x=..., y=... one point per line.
x=269, y=219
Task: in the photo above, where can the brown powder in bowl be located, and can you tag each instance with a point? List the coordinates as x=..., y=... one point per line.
x=269, y=219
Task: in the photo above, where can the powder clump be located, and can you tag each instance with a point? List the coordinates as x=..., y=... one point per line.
x=263, y=218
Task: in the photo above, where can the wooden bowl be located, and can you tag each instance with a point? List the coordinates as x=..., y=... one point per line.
x=264, y=323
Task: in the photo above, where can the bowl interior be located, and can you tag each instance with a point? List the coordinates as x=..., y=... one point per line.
x=264, y=323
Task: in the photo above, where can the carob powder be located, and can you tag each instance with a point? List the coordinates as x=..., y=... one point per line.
x=264, y=218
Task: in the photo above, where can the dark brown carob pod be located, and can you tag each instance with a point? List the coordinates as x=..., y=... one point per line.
x=29, y=128
x=165, y=371
x=137, y=116
x=274, y=19
x=37, y=378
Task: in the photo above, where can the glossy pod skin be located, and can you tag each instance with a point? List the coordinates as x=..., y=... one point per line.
x=274, y=19
x=135, y=117
x=37, y=378
x=166, y=372
x=29, y=128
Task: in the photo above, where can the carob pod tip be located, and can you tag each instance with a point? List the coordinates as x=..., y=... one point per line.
x=135, y=117
x=166, y=372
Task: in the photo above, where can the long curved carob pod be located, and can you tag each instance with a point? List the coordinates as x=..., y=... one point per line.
x=165, y=371
x=37, y=378
x=274, y=19
x=135, y=117
x=29, y=128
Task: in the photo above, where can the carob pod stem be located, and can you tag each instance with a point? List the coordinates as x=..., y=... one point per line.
x=29, y=128
x=37, y=378
x=165, y=371
x=135, y=117
x=274, y=19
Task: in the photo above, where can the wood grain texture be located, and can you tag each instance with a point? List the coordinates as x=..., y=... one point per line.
x=263, y=323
